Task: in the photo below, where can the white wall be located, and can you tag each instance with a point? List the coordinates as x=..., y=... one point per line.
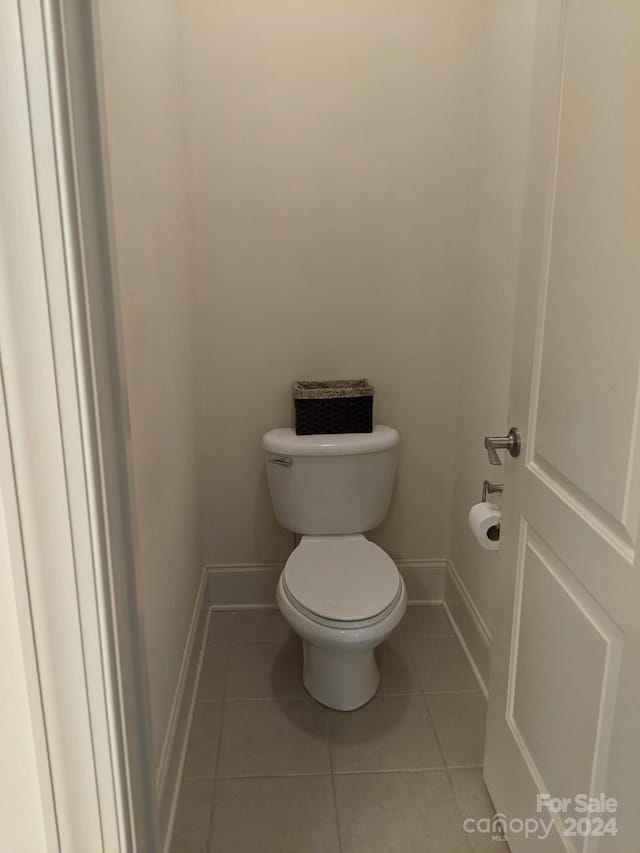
x=147, y=158
x=329, y=164
x=503, y=61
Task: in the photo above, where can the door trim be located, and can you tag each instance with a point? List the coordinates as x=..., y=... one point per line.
x=66, y=451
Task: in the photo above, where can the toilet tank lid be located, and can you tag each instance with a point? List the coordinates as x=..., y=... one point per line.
x=285, y=441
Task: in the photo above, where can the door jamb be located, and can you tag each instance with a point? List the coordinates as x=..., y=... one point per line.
x=65, y=466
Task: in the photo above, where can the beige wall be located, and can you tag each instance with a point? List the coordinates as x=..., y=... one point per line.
x=504, y=54
x=330, y=153
x=346, y=202
x=147, y=154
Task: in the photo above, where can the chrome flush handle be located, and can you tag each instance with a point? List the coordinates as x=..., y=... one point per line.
x=283, y=461
x=511, y=442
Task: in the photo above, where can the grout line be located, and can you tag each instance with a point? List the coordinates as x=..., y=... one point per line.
x=205, y=775
x=425, y=769
x=447, y=768
x=395, y=694
x=239, y=608
x=425, y=693
x=454, y=692
x=429, y=636
x=429, y=714
x=317, y=774
x=333, y=782
x=279, y=775
x=305, y=698
x=198, y=778
x=222, y=716
x=435, y=768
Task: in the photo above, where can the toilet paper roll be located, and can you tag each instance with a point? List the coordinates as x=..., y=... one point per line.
x=484, y=521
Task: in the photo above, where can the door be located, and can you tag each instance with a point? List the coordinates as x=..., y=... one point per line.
x=564, y=709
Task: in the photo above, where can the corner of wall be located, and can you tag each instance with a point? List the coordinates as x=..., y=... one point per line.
x=502, y=85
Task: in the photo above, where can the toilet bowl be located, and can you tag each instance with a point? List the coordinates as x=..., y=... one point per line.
x=343, y=596
x=341, y=593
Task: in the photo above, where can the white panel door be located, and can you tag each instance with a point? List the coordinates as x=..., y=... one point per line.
x=564, y=709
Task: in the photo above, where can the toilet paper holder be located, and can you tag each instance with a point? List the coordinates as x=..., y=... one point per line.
x=490, y=489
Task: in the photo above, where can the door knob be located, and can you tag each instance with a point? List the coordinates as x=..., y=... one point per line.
x=511, y=442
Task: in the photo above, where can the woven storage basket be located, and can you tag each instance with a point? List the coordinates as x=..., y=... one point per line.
x=335, y=406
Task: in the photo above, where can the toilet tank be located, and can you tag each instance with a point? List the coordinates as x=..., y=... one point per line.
x=330, y=484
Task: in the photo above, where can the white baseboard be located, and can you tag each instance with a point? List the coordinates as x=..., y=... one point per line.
x=238, y=585
x=254, y=584
x=169, y=773
x=429, y=581
x=468, y=625
x=424, y=579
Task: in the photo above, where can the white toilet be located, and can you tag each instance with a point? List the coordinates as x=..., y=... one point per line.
x=339, y=592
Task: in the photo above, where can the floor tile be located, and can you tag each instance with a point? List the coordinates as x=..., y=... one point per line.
x=260, y=626
x=271, y=731
x=389, y=733
x=203, y=740
x=220, y=626
x=474, y=802
x=273, y=737
x=460, y=720
x=265, y=670
x=397, y=673
x=191, y=824
x=425, y=621
x=436, y=622
x=213, y=673
x=442, y=665
x=279, y=815
x=401, y=812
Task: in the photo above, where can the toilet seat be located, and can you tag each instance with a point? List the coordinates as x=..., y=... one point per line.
x=341, y=581
x=341, y=624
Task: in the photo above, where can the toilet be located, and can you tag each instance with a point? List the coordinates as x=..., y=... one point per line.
x=341, y=593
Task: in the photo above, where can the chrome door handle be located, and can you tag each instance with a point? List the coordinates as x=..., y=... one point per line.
x=511, y=442
x=284, y=461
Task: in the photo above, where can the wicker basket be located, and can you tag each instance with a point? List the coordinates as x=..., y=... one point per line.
x=336, y=406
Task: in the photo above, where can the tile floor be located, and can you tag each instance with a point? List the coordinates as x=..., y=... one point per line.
x=270, y=770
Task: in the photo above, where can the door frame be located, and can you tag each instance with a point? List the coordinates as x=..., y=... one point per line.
x=65, y=472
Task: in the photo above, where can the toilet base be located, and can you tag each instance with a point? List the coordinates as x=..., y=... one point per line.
x=339, y=667
x=339, y=678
